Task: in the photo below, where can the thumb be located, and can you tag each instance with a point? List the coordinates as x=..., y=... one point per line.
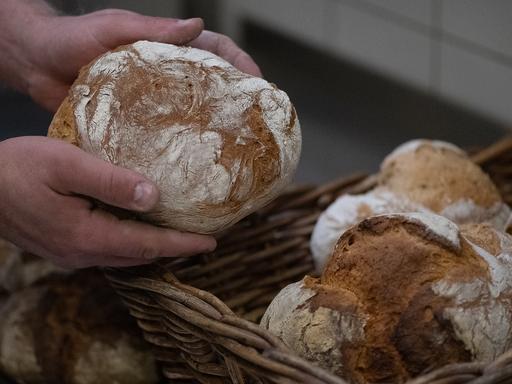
x=116, y=27
x=81, y=173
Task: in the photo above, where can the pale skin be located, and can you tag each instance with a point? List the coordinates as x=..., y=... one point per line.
x=46, y=186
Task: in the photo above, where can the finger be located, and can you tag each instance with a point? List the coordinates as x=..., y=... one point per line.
x=224, y=47
x=78, y=172
x=123, y=27
x=136, y=240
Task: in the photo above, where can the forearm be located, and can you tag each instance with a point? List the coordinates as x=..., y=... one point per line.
x=19, y=23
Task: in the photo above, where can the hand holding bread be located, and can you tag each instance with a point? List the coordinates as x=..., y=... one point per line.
x=43, y=210
x=42, y=59
x=175, y=135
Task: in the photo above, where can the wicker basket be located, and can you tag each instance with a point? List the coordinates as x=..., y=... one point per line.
x=201, y=313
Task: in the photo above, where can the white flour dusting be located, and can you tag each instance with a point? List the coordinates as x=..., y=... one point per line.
x=184, y=159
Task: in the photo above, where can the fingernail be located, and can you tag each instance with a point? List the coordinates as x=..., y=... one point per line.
x=190, y=21
x=211, y=245
x=143, y=195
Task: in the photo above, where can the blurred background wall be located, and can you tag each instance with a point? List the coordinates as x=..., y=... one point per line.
x=364, y=75
x=457, y=49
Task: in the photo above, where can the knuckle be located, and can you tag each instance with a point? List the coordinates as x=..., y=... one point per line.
x=80, y=245
x=225, y=42
x=239, y=56
x=146, y=252
x=59, y=165
x=225, y=39
x=72, y=247
x=57, y=174
x=108, y=183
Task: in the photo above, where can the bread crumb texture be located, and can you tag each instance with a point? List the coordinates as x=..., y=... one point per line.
x=63, y=125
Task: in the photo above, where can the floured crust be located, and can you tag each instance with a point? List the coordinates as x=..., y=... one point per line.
x=348, y=210
x=412, y=146
x=437, y=176
x=317, y=322
x=484, y=236
x=219, y=143
x=386, y=261
x=428, y=293
x=17, y=354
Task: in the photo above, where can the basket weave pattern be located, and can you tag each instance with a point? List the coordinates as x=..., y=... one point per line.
x=201, y=313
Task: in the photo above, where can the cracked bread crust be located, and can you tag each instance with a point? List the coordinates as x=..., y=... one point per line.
x=218, y=143
x=422, y=291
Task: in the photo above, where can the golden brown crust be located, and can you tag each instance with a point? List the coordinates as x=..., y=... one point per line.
x=423, y=337
x=438, y=177
x=390, y=265
x=425, y=287
x=63, y=125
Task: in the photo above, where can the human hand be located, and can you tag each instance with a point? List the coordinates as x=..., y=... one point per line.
x=61, y=45
x=44, y=209
x=58, y=46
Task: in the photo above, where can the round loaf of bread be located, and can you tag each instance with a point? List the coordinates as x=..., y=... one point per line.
x=72, y=329
x=19, y=269
x=218, y=143
x=442, y=178
x=402, y=293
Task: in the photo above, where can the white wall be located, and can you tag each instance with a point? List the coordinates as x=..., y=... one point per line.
x=460, y=50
